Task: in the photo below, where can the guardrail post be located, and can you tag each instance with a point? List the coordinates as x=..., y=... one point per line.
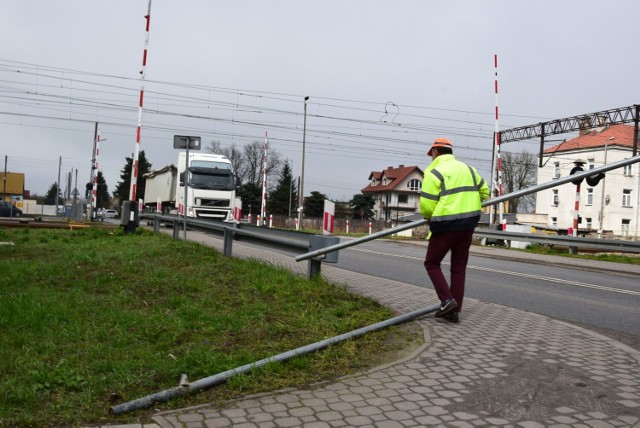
x=313, y=268
x=228, y=240
x=176, y=229
x=315, y=264
x=156, y=224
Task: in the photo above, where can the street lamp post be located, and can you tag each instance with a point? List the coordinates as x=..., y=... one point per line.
x=601, y=219
x=301, y=190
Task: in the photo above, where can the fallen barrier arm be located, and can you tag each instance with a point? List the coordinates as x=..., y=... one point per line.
x=208, y=382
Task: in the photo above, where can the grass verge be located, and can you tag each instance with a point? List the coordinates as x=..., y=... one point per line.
x=92, y=317
x=602, y=256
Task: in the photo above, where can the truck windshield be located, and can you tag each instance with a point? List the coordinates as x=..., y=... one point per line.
x=210, y=164
x=216, y=181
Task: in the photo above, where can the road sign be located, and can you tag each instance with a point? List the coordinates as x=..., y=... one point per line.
x=185, y=141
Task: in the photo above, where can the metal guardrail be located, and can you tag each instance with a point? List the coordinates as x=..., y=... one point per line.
x=319, y=248
x=307, y=244
x=569, y=241
x=293, y=241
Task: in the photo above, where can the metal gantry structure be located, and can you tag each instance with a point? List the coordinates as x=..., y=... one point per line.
x=630, y=114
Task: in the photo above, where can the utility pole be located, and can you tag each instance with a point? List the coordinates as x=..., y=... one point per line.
x=75, y=193
x=68, y=192
x=299, y=203
x=4, y=179
x=92, y=176
x=58, y=183
x=263, y=205
x=301, y=183
x=290, y=189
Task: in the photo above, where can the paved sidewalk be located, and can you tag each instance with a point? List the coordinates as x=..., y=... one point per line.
x=498, y=367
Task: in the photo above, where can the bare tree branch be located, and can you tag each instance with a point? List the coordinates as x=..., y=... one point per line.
x=519, y=171
x=248, y=162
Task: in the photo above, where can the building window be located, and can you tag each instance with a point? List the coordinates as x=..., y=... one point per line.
x=624, y=227
x=626, y=198
x=556, y=170
x=589, y=196
x=403, y=199
x=554, y=221
x=591, y=163
x=628, y=170
x=555, y=199
x=414, y=184
x=588, y=220
x=384, y=181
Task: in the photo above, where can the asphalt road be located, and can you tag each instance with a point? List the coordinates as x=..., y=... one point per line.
x=607, y=301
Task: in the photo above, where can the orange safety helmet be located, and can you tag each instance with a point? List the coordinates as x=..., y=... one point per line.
x=440, y=142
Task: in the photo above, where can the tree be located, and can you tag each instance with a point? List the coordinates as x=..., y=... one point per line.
x=50, y=197
x=234, y=155
x=519, y=172
x=248, y=163
x=314, y=204
x=103, y=199
x=285, y=195
x=362, y=206
x=251, y=195
x=343, y=210
x=254, y=162
x=123, y=187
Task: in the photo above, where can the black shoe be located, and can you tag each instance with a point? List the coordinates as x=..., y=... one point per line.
x=446, y=307
x=453, y=317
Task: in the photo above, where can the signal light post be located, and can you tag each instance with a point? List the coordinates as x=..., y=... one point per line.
x=601, y=216
x=576, y=212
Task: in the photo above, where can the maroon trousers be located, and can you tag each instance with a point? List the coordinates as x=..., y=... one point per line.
x=458, y=242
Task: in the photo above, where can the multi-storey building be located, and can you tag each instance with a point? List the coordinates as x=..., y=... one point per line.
x=609, y=207
x=396, y=191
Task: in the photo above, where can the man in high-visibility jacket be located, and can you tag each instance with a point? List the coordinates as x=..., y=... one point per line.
x=451, y=198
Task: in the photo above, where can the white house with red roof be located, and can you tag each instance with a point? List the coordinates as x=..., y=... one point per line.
x=396, y=191
x=609, y=207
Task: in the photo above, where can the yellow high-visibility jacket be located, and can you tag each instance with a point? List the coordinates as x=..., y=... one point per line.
x=452, y=195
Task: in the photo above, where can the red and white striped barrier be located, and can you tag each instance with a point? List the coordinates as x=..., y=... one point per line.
x=136, y=152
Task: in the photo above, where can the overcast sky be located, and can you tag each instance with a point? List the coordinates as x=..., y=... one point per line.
x=384, y=79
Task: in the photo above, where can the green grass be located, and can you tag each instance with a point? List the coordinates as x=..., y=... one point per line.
x=607, y=257
x=91, y=318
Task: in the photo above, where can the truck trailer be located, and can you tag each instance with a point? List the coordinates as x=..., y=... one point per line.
x=210, y=184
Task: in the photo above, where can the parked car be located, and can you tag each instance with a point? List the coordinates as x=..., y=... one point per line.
x=111, y=214
x=7, y=209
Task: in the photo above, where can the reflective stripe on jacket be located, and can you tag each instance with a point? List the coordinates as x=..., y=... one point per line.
x=452, y=195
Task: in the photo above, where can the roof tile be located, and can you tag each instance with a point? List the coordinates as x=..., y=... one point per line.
x=621, y=135
x=395, y=175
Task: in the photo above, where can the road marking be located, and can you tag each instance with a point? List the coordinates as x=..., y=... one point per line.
x=559, y=280
x=523, y=275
